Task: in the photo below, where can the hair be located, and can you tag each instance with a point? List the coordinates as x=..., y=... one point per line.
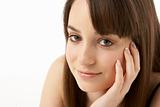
x=135, y=19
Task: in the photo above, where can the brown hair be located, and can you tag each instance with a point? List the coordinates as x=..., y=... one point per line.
x=135, y=19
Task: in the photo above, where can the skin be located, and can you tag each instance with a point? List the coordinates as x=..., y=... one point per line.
x=118, y=64
x=88, y=51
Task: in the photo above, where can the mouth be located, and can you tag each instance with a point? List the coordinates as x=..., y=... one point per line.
x=88, y=74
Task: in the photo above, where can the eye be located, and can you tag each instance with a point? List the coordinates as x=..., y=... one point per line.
x=74, y=38
x=105, y=42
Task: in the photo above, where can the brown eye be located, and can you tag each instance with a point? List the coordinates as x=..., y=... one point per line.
x=105, y=42
x=74, y=38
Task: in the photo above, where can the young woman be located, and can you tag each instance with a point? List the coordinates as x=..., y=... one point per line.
x=112, y=56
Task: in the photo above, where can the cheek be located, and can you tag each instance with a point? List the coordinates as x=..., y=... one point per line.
x=107, y=63
x=109, y=58
x=71, y=54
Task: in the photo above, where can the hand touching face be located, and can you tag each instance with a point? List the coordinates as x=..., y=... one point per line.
x=114, y=96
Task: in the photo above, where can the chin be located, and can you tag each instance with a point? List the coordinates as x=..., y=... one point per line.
x=86, y=89
x=91, y=88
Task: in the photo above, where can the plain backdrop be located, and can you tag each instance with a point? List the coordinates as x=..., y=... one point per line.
x=31, y=38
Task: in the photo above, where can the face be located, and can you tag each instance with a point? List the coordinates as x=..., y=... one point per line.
x=91, y=57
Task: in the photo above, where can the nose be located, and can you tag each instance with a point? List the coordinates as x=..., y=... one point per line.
x=87, y=56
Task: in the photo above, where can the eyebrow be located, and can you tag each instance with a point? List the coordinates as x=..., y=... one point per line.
x=73, y=28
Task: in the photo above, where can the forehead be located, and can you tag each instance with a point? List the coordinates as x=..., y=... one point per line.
x=79, y=8
x=79, y=15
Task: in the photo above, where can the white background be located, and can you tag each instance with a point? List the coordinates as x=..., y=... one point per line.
x=31, y=37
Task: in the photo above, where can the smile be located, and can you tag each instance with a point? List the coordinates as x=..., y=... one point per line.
x=88, y=75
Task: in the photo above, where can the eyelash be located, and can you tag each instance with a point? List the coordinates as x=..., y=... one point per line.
x=101, y=40
x=107, y=42
x=71, y=37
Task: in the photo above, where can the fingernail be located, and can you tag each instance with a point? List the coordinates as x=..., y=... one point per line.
x=118, y=62
x=127, y=50
x=133, y=45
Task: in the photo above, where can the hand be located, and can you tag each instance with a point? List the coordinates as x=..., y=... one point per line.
x=114, y=96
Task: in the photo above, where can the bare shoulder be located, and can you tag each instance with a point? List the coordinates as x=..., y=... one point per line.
x=52, y=94
x=156, y=98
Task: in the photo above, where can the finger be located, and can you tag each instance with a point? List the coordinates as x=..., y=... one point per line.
x=119, y=80
x=129, y=63
x=130, y=74
x=136, y=58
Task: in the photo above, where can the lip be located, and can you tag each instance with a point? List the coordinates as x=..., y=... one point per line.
x=88, y=74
